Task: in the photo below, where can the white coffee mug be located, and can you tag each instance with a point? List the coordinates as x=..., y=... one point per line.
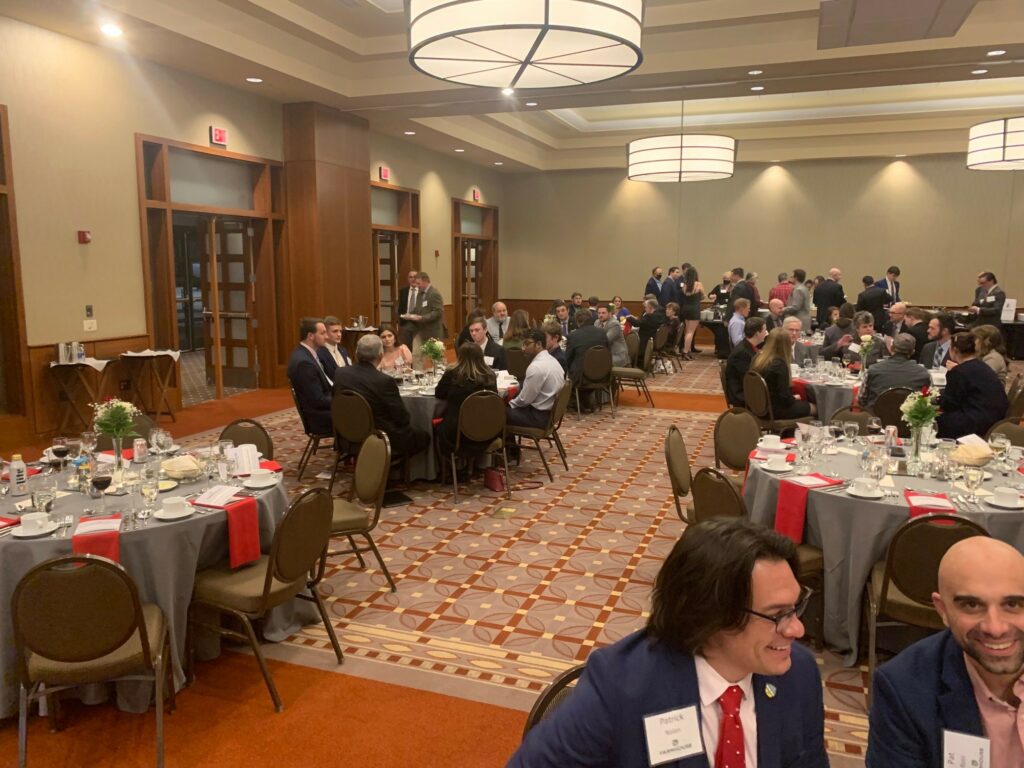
x=770, y=441
x=1006, y=496
x=175, y=504
x=34, y=522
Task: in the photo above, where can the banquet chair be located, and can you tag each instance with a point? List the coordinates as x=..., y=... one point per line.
x=1016, y=409
x=637, y=376
x=887, y=408
x=481, y=420
x=848, y=414
x=246, y=431
x=294, y=567
x=759, y=403
x=1014, y=388
x=517, y=363
x=554, y=696
x=1011, y=428
x=77, y=619
x=736, y=435
x=352, y=419
x=312, y=438
x=660, y=355
x=678, y=464
x=142, y=425
x=632, y=347
x=722, y=365
x=548, y=432
x=597, y=376
x=901, y=586
x=370, y=481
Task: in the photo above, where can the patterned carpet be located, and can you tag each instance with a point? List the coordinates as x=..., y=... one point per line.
x=195, y=388
x=695, y=377
x=492, y=608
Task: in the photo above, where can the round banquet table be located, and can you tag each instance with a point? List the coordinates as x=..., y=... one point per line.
x=828, y=397
x=162, y=558
x=423, y=409
x=854, y=533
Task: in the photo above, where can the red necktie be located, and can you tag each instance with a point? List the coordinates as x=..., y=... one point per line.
x=730, y=752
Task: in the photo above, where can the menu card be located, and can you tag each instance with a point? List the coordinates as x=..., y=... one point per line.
x=217, y=496
x=246, y=458
x=98, y=526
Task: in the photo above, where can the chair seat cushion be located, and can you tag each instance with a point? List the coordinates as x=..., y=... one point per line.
x=242, y=588
x=900, y=607
x=125, y=660
x=527, y=431
x=628, y=373
x=811, y=560
x=348, y=517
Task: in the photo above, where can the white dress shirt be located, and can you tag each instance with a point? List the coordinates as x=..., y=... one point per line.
x=712, y=685
x=333, y=349
x=543, y=382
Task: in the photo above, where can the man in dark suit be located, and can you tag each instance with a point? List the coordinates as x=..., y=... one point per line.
x=974, y=398
x=720, y=641
x=935, y=354
x=381, y=392
x=741, y=289
x=891, y=283
x=585, y=336
x=754, y=333
x=829, y=293
x=774, y=318
x=670, y=288
x=989, y=298
x=494, y=353
x=648, y=323
x=333, y=355
x=654, y=282
x=408, y=301
x=915, y=322
x=566, y=320
x=901, y=369
x=930, y=693
x=874, y=300
x=309, y=380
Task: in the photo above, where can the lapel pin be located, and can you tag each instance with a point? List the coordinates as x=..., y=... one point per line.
x=769, y=690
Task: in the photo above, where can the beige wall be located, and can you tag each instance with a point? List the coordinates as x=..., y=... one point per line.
x=596, y=232
x=438, y=178
x=74, y=110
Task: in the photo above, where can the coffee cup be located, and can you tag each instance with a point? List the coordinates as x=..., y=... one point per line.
x=34, y=522
x=778, y=462
x=1006, y=496
x=865, y=485
x=175, y=504
x=770, y=441
x=261, y=476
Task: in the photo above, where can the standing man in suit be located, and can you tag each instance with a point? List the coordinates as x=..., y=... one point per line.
x=873, y=299
x=891, y=283
x=408, y=301
x=714, y=679
x=989, y=298
x=829, y=293
x=309, y=380
x=381, y=392
x=428, y=314
x=741, y=289
x=670, y=288
x=494, y=353
x=654, y=282
x=333, y=355
x=964, y=680
x=935, y=354
x=585, y=336
x=800, y=299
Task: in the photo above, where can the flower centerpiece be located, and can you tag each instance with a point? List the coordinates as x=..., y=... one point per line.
x=115, y=418
x=919, y=411
x=434, y=349
x=867, y=343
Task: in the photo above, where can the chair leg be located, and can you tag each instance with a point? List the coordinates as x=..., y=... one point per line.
x=547, y=469
x=328, y=627
x=53, y=707
x=611, y=399
x=22, y=725
x=307, y=454
x=255, y=643
x=504, y=459
x=172, y=702
x=561, y=449
x=355, y=549
x=380, y=561
x=455, y=477
x=159, y=675
x=334, y=472
x=579, y=413
x=872, y=659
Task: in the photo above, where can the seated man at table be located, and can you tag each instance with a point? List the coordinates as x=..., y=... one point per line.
x=648, y=323
x=740, y=311
x=494, y=353
x=794, y=326
x=381, y=392
x=607, y=322
x=585, y=336
x=564, y=318
x=774, y=318
x=851, y=350
x=962, y=682
x=716, y=676
x=311, y=383
x=332, y=354
x=935, y=354
x=754, y=333
x=916, y=324
x=899, y=370
x=531, y=407
x=553, y=343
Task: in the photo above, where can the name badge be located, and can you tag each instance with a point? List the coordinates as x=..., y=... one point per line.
x=488, y=360
x=853, y=347
x=990, y=299
x=673, y=735
x=960, y=750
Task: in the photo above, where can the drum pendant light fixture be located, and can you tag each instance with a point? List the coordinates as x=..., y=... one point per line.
x=525, y=43
x=682, y=157
x=996, y=145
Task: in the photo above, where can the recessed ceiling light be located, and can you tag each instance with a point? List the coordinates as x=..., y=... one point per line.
x=757, y=87
x=508, y=91
x=775, y=161
x=254, y=79
x=531, y=103
x=979, y=71
x=756, y=72
x=410, y=133
x=498, y=162
x=460, y=150
x=996, y=53
x=111, y=30
x=903, y=155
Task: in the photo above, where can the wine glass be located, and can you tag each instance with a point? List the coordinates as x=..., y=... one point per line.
x=1000, y=444
x=149, y=489
x=877, y=469
x=59, y=449
x=155, y=441
x=101, y=480
x=89, y=442
x=973, y=477
x=874, y=425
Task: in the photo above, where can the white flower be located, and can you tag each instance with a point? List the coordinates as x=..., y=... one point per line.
x=866, y=338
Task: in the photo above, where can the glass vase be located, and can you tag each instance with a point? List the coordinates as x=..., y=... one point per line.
x=118, y=445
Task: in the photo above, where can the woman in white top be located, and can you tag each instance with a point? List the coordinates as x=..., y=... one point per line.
x=393, y=355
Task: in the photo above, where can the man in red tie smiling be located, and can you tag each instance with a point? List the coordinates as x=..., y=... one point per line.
x=715, y=680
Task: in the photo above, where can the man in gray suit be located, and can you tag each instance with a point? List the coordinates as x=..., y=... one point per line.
x=801, y=351
x=429, y=313
x=616, y=341
x=898, y=370
x=800, y=300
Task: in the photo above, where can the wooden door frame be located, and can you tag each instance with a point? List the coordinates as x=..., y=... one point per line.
x=487, y=290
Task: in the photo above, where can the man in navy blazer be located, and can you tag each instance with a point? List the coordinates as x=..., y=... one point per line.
x=333, y=355
x=721, y=636
x=891, y=284
x=313, y=388
x=935, y=685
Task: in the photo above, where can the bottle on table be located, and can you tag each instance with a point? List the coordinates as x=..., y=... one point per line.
x=18, y=476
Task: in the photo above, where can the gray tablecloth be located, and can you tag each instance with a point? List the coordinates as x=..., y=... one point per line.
x=830, y=398
x=422, y=408
x=162, y=558
x=854, y=534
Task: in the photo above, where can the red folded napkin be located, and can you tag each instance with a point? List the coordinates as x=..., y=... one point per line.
x=789, y=456
x=104, y=543
x=513, y=391
x=7, y=522
x=31, y=471
x=435, y=422
x=789, y=440
x=126, y=453
x=270, y=464
x=856, y=391
x=923, y=508
x=243, y=532
x=791, y=507
x=799, y=388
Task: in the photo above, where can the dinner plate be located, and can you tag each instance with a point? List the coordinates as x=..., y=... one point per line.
x=875, y=494
x=836, y=383
x=250, y=483
x=766, y=468
x=163, y=514
x=167, y=485
x=46, y=530
x=998, y=505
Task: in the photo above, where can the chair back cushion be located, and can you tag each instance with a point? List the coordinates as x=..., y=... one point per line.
x=1011, y=428
x=848, y=414
x=482, y=417
x=736, y=435
x=912, y=563
x=715, y=496
x=661, y=338
x=632, y=346
x=1016, y=409
x=75, y=608
x=301, y=536
x=517, y=363
x=561, y=404
x=755, y=393
x=677, y=461
x=246, y=431
x=553, y=696
x=597, y=365
x=887, y=408
x=351, y=416
x=371, y=476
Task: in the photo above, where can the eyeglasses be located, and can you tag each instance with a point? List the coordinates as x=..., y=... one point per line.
x=780, y=619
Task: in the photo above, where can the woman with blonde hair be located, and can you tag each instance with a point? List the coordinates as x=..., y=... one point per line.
x=991, y=349
x=518, y=325
x=773, y=362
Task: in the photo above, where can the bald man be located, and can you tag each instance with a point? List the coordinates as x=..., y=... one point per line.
x=947, y=697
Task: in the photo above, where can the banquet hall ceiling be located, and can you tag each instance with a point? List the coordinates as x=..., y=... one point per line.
x=858, y=98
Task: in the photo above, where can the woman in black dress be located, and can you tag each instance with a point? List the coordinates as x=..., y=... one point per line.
x=773, y=362
x=470, y=374
x=974, y=398
x=689, y=309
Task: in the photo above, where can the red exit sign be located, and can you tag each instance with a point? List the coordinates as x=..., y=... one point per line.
x=218, y=136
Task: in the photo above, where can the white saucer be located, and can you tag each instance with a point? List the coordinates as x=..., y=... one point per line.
x=250, y=483
x=766, y=468
x=875, y=494
x=21, y=533
x=1018, y=505
x=773, y=447
x=163, y=514
x=167, y=485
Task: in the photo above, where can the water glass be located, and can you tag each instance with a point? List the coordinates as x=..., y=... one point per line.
x=851, y=429
x=150, y=488
x=88, y=440
x=973, y=477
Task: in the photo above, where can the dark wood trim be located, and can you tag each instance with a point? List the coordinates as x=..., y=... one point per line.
x=239, y=213
x=390, y=228
x=225, y=153
x=393, y=187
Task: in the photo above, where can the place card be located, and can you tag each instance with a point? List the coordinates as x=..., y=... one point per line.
x=217, y=496
x=808, y=481
x=848, y=451
x=98, y=526
x=972, y=440
x=933, y=502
